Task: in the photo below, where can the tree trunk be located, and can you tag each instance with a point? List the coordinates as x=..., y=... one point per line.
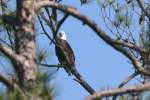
x=25, y=42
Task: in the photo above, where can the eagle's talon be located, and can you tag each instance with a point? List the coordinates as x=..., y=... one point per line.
x=58, y=66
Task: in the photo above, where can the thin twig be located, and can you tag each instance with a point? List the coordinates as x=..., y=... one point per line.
x=61, y=22
x=7, y=30
x=47, y=65
x=53, y=26
x=45, y=32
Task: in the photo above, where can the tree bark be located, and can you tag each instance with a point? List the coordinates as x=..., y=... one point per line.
x=25, y=42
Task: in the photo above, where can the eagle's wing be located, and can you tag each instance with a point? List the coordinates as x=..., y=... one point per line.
x=70, y=53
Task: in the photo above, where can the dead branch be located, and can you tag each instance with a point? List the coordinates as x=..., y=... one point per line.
x=117, y=91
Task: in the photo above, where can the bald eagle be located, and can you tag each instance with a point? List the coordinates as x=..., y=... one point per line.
x=64, y=53
x=66, y=59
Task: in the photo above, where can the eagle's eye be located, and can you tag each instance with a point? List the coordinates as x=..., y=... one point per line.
x=61, y=34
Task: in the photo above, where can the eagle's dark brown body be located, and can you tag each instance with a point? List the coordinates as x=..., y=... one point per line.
x=65, y=54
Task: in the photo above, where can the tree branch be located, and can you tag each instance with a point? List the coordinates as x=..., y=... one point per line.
x=135, y=88
x=143, y=9
x=7, y=30
x=83, y=83
x=61, y=22
x=118, y=45
x=9, y=53
x=6, y=81
x=128, y=79
x=124, y=82
x=44, y=30
x=11, y=85
x=46, y=65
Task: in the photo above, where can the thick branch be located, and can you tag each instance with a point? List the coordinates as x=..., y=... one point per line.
x=6, y=81
x=130, y=45
x=83, y=83
x=10, y=54
x=135, y=88
x=118, y=45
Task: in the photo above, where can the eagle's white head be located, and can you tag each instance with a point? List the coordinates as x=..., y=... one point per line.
x=62, y=35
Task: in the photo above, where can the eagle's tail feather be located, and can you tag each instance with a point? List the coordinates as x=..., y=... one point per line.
x=75, y=72
x=72, y=71
x=68, y=70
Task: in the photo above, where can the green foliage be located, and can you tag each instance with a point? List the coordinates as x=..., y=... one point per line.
x=11, y=95
x=122, y=98
x=41, y=55
x=43, y=91
x=46, y=92
x=117, y=16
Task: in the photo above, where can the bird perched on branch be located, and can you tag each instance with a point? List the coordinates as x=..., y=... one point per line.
x=65, y=54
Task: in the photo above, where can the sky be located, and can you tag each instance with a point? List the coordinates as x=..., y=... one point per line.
x=99, y=64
